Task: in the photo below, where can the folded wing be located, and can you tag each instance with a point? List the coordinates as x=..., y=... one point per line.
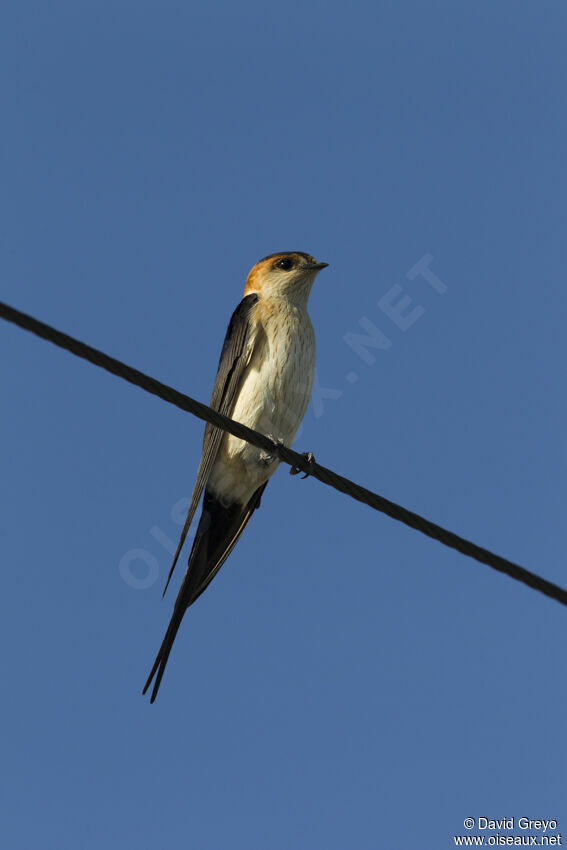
x=235, y=356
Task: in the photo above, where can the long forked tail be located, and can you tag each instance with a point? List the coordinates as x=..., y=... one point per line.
x=161, y=658
x=219, y=528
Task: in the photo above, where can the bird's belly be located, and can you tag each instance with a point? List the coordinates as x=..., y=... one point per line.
x=273, y=399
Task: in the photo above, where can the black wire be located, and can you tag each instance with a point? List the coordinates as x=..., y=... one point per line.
x=295, y=460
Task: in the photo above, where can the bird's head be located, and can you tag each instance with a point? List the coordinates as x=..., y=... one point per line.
x=287, y=274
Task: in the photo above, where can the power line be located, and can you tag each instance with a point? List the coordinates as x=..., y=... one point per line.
x=294, y=459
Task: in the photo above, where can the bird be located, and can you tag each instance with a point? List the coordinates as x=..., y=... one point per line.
x=264, y=380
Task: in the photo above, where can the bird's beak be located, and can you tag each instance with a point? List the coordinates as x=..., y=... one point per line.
x=318, y=266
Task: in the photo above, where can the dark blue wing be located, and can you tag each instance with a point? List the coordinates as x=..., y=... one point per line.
x=227, y=382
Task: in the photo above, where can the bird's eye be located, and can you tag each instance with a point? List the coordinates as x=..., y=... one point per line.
x=286, y=264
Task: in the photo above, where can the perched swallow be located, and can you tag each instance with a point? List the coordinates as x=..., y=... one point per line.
x=264, y=380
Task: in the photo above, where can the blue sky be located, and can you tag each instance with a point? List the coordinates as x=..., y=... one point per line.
x=362, y=686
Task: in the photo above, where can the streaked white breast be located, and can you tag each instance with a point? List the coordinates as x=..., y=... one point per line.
x=275, y=392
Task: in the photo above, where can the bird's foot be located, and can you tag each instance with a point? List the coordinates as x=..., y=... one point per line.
x=310, y=458
x=267, y=458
